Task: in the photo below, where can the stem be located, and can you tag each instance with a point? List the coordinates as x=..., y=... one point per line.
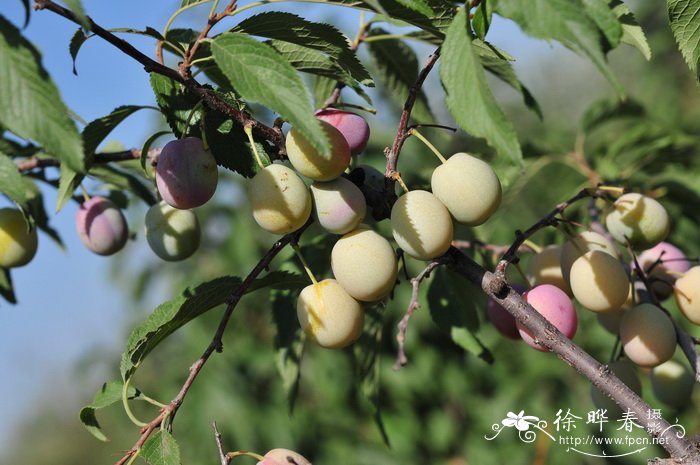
x=297, y=251
x=414, y=132
x=249, y=132
x=403, y=185
x=127, y=409
x=193, y=111
x=244, y=453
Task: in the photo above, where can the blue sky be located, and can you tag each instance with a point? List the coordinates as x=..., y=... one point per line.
x=67, y=305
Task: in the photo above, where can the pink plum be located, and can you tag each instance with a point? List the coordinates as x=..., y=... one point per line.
x=101, y=226
x=663, y=262
x=283, y=457
x=186, y=173
x=351, y=125
x=553, y=304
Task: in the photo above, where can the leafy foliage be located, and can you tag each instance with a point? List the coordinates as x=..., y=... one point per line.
x=683, y=14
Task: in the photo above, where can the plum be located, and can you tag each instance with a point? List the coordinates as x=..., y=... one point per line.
x=186, y=173
x=351, y=125
x=18, y=243
x=101, y=226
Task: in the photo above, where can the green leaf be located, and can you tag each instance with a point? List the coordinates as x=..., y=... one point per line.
x=495, y=63
x=125, y=181
x=468, y=96
x=6, y=290
x=280, y=281
x=68, y=182
x=79, y=12
x=397, y=67
x=609, y=25
x=563, y=21
x=76, y=42
x=632, y=33
x=607, y=110
x=175, y=104
x=289, y=342
x=160, y=449
x=481, y=22
x=323, y=88
x=109, y=394
x=419, y=6
x=452, y=301
x=260, y=74
x=288, y=27
x=31, y=105
x=172, y=315
x=97, y=130
x=684, y=16
x=12, y=183
x=37, y=212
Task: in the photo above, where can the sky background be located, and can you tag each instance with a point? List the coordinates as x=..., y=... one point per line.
x=69, y=311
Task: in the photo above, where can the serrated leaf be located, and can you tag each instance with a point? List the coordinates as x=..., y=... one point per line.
x=109, y=394
x=599, y=11
x=468, y=96
x=632, y=33
x=79, y=12
x=495, y=63
x=684, y=16
x=288, y=27
x=419, y=6
x=563, y=21
x=76, y=42
x=260, y=74
x=125, y=181
x=452, y=303
x=172, y=315
x=6, y=290
x=32, y=107
x=12, y=183
x=149, y=32
x=280, y=281
x=175, y=104
x=323, y=88
x=481, y=22
x=289, y=342
x=68, y=182
x=160, y=449
x=314, y=62
x=97, y=130
x=397, y=67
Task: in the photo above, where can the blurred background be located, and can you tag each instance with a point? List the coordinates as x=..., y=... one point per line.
x=65, y=336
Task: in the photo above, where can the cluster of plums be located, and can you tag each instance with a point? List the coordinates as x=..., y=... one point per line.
x=363, y=262
x=588, y=268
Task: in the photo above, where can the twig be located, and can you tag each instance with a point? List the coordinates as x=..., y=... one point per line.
x=550, y=337
x=215, y=345
x=213, y=19
x=223, y=458
x=493, y=248
x=207, y=95
x=401, y=358
x=125, y=155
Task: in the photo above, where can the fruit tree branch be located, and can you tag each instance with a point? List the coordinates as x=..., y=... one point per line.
x=550, y=337
x=107, y=157
x=215, y=345
x=207, y=95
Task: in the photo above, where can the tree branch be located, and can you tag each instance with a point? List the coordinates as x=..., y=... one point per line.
x=207, y=95
x=107, y=157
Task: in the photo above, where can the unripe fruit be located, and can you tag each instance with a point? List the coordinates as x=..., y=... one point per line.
x=610, y=321
x=468, y=187
x=648, y=335
x=283, y=457
x=17, y=244
x=687, y=292
x=364, y=264
x=421, y=225
x=171, y=233
x=555, y=306
x=280, y=200
x=627, y=373
x=186, y=173
x=501, y=319
x=312, y=164
x=639, y=220
x=328, y=315
x=351, y=125
x=545, y=268
x=339, y=205
x=663, y=263
x=101, y=226
x=672, y=383
x=599, y=282
x=579, y=245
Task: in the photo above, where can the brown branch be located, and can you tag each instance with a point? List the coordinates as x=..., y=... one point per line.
x=401, y=358
x=215, y=345
x=223, y=457
x=213, y=19
x=550, y=337
x=207, y=95
x=107, y=157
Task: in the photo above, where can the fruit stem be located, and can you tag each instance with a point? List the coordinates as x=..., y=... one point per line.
x=249, y=132
x=297, y=251
x=127, y=409
x=240, y=453
x=398, y=179
x=535, y=248
x=523, y=275
x=86, y=196
x=414, y=132
x=612, y=189
x=194, y=111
